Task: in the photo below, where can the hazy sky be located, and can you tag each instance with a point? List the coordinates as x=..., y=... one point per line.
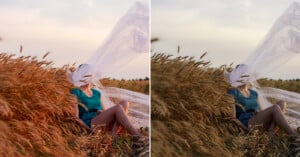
x=228, y=30
x=71, y=30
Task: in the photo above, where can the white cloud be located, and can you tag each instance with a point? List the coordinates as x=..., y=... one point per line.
x=227, y=30
x=71, y=30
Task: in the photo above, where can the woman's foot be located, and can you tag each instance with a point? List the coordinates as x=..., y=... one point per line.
x=141, y=135
x=144, y=131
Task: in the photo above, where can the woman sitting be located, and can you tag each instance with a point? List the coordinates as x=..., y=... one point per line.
x=248, y=109
x=249, y=114
x=92, y=111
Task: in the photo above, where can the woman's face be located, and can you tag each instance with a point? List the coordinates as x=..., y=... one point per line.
x=246, y=85
x=86, y=85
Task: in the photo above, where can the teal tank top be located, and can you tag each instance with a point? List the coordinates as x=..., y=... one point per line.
x=249, y=103
x=92, y=103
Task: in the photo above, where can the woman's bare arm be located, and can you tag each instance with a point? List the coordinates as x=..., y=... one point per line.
x=233, y=110
x=259, y=104
x=76, y=111
x=103, y=105
x=77, y=119
x=236, y=121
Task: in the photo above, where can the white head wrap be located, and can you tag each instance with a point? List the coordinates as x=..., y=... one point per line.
x=241, y=75
x=82, y=75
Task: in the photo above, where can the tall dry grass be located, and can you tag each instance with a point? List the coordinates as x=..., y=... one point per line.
x=190, y=112
x=290, y=85
x=141, y=86
x=36, y=114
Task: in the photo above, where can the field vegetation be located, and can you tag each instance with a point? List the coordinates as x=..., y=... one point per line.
x=191, y=113
x=36, y=114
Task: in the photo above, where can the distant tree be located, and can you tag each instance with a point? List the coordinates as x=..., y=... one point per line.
x=146, y=78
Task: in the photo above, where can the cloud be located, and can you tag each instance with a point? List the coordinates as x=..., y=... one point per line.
x=71, y=30
x=71, y=11
x=228, y=30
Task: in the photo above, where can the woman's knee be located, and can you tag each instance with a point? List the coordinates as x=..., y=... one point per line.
x=119, y=108
x=282, y=105
x=276, y=109
x=125, y=105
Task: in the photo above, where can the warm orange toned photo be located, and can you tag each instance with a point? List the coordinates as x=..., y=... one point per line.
x=74, y=78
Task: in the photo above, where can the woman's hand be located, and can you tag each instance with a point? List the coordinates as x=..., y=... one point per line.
x=81, y=123
x=238, y=123
x=99, y=111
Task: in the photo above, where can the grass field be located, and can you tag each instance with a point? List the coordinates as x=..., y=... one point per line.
x=289, y=85
x=36, y=114
x=137, y=85
x=191, y=112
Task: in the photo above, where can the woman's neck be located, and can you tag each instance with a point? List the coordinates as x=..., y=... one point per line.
x=244, y=90
x=86, y=88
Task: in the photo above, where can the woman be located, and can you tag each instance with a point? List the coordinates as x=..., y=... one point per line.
x=249, y=114
x=91, y=109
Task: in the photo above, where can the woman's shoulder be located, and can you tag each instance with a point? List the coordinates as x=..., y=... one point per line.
x=253, y=92
x=233, y=91
x=75, y=91
x=96, y=91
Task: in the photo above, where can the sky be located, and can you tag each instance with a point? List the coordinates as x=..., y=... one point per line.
x=71, y=30
x=228, y=30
